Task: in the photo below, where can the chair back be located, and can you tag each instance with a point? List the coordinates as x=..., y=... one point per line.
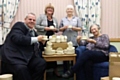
x=0, y=58
x=112, y=48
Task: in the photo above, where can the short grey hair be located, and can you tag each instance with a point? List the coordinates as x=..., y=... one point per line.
x=28, y=14
x=70, y=6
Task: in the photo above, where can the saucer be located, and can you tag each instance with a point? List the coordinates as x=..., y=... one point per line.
x=45, y=39
x=84, y=37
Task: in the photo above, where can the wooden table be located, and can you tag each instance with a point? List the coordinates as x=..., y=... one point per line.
x=62, y=57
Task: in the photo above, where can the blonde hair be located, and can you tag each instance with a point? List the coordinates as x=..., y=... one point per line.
x=49, y=6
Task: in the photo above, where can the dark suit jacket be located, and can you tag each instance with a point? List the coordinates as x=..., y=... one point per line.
x=17, y=48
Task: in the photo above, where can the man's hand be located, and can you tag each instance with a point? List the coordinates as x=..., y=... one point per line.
x=40, y=38
x=91, y=40
x=43, y=41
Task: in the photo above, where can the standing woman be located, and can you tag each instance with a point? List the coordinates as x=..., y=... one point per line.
x=43, y=24
x=45, y=21
x=70, y=25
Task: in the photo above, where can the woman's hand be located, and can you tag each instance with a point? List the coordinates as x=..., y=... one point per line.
x=78, y=39
x=55, y=29
x=47, y=29
x=65, y=27
x=91, y=41
x=76, y=28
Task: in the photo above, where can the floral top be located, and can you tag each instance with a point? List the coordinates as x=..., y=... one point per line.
x=102, y=44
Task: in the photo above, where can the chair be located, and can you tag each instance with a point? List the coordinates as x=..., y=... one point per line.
x=99, y=69
x=0, y=58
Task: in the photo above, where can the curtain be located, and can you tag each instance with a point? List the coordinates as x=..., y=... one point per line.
x=9, y=9
x=89, y=11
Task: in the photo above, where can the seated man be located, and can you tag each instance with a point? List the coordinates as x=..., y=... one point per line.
x=20, y=52
x=96, y=51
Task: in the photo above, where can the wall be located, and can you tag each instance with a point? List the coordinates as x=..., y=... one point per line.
x=110, y=17
x=38, y=6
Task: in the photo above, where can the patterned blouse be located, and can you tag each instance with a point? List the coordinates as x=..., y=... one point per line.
x=102, y=44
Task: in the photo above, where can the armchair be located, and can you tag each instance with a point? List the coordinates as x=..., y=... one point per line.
x=99, y=70
x=0, y=58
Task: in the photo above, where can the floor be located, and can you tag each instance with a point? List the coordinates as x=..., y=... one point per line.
x=51, y=76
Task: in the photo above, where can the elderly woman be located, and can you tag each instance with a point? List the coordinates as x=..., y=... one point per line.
x=70, y=25
x=43, y=26
x=96, y=52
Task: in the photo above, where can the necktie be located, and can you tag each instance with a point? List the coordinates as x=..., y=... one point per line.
x=32, y=33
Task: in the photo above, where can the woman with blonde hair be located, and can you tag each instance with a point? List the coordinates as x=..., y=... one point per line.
x=46, y=20
x=43, y=26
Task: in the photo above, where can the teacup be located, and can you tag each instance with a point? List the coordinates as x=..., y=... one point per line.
x=58, y=41
x=65, y=37
x=49, y=43
x=58, y=37
x=52, y=40
x=59, y=51
x=70, y=26
x=45, y=38
x=50, y=52
x=63, y=40
x=70, y=43
x=51, y=27
x=50, y=37
x=48, y=48
x=71, y=48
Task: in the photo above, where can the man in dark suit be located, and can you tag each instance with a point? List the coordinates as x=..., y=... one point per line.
x=20, y=51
